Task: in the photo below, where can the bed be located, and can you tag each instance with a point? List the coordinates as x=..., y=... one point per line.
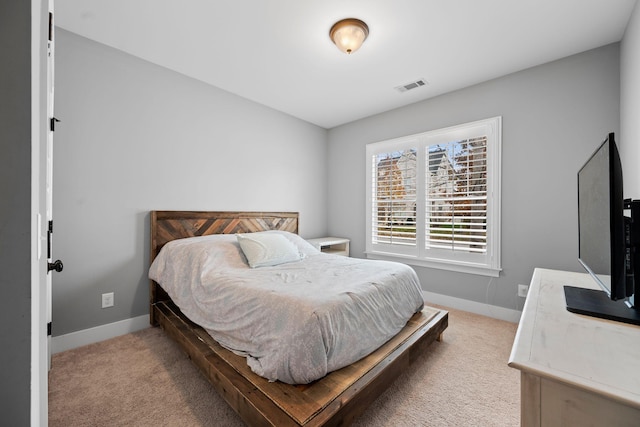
x=336, y=398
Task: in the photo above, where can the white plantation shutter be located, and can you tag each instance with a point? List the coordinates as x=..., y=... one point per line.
x=394, y=195
x=457, y=196
x=434, y=198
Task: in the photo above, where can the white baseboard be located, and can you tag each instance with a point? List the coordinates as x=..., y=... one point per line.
x=99, y=333
x=473, y=307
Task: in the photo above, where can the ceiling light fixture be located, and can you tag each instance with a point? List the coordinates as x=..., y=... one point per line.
x=349, y=34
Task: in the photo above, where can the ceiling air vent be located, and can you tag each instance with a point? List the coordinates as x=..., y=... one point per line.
x=412, y=85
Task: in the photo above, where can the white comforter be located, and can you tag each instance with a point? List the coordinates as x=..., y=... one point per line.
x=294, y=322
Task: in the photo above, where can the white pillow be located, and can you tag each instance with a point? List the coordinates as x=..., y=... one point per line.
x=264, y=249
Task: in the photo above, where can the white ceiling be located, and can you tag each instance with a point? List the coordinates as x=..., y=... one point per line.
x=278, y=52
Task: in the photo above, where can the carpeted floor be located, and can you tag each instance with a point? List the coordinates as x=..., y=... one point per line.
x=144, y=379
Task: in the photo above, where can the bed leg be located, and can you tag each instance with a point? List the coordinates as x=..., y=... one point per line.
x=439, y=339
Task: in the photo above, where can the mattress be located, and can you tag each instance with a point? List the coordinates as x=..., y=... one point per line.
x=295, y=321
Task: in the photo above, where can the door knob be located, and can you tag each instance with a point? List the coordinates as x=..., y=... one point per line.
x=56, y=265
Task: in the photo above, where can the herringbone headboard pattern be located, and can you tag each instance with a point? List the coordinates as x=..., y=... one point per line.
x=170, y=225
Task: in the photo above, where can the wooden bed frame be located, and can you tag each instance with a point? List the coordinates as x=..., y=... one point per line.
x=336, y=399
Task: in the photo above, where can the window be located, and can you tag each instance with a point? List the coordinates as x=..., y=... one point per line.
x=433, y=199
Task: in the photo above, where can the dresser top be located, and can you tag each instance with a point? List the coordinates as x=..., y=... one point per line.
x=588, y=352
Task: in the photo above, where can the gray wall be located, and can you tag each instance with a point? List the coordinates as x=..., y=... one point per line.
x=554, y=116
x=15, y=211
x=136, y=137
x=630, y=105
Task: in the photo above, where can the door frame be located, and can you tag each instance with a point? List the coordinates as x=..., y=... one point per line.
x=39, y=361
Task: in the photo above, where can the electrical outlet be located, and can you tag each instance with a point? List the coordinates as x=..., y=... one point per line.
x=107, y=300
x=522, y=290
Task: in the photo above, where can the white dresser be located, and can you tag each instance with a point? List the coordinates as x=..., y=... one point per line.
x=575, y=370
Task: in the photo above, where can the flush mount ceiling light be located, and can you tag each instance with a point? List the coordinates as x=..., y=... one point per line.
x=349, y=34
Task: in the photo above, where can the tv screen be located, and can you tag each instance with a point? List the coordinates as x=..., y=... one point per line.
x=606, y=239
x=601, y=221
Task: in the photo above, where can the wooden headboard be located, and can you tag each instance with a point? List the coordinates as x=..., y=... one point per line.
x=171, y=225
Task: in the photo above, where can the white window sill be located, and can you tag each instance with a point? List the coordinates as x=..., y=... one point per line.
x=469, y=268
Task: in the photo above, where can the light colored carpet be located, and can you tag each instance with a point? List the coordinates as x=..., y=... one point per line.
x=144, y=379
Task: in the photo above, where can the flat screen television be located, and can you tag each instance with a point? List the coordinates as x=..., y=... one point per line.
x=607, y=241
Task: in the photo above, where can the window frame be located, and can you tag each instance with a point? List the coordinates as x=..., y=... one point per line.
x=488, y=264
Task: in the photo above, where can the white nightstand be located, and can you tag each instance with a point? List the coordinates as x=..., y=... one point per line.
x=331, y=245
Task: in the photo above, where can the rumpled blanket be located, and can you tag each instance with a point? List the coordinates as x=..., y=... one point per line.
x=294, y=322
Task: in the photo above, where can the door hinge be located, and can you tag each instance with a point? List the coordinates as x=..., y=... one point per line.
x=52, y=123
x=49, y=233
x=50, y=26
x=49, y=329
